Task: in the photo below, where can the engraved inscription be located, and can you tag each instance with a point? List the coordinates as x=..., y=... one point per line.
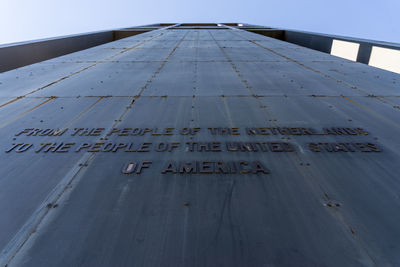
x=214, y=167
x=243, y=141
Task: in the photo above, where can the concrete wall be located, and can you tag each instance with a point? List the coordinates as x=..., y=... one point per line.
x=323, y=43
x=21, y=54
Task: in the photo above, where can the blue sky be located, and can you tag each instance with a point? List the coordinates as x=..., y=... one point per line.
x=22, y=20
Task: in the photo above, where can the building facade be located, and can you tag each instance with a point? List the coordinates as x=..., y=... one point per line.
x=199, y=145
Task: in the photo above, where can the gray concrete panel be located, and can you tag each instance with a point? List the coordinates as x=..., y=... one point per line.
x=164, y=85
x=104, y=79
x=89, y=55
x=198, y=54
x=39, y=180
x=143, y=54
x=289, y=78
x=372, y=81
x=29, y=79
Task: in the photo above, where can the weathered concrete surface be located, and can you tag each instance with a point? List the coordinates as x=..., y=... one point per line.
x=312, y=209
